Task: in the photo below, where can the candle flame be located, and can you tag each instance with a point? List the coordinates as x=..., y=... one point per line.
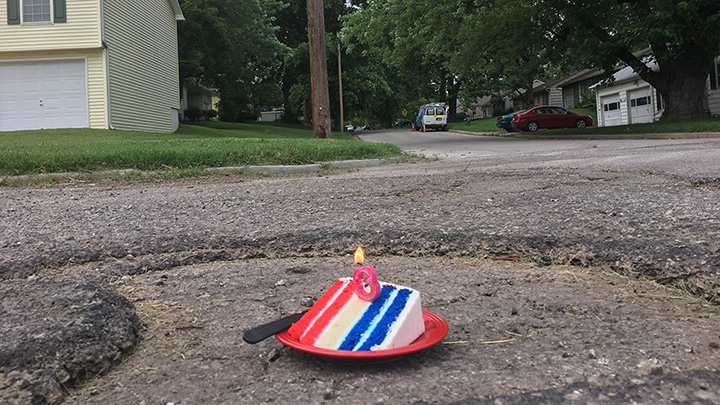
x=359, y=255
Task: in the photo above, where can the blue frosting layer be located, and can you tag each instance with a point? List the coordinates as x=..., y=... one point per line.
x=367, y=318
x=383, y=327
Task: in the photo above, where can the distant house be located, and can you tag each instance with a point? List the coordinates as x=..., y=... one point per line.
x=270, y=116
x=549, y=93
x=197, y=96
x=632, y=100
x=491, y=106
x=499, y=104
x=567, y=91
x=89, y=64
x=577, y=85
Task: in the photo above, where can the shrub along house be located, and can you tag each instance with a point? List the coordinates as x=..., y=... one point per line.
x=89, y=63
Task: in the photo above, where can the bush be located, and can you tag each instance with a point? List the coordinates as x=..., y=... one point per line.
x=210, y=114
x=193, y=114
x=587, y=99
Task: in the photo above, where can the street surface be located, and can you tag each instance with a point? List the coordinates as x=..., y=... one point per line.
x=457, y=145
x=567, y=271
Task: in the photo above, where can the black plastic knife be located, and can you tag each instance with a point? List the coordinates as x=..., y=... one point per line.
x=262, y=332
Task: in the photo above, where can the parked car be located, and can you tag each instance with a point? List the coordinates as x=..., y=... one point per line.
x=547, y=116
x=349, y=128
x=505, y=121
x=432, y=116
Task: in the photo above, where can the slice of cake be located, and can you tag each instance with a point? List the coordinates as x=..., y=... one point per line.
x=340, y=320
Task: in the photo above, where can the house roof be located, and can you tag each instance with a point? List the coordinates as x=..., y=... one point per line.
x=582, y=75
x=548, y=85
x=487, y=100
x=482, y=101
x=627, y=74
x=175, y=4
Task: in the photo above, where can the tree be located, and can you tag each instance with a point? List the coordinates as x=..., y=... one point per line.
x=412, y=41
x=503, y=48
x=684, y=37
x=294, y=72
x=231, y=45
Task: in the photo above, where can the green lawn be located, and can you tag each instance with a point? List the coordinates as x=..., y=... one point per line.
x=483, y=125
x=210, y=144
x=697, y=125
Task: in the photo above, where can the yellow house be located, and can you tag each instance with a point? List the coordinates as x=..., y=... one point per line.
x=89, y=64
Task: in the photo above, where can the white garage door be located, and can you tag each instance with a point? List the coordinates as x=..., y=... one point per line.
x=35, y=95
x=640, y=106
x=611, y=110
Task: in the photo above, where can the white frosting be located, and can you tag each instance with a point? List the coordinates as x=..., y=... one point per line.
x=407, y=327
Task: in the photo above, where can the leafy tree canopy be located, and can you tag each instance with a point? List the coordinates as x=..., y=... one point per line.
x=684, y=37
x=231, y=45
x=398, y=54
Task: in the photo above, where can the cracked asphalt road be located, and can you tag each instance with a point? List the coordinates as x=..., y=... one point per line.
x=645, y=212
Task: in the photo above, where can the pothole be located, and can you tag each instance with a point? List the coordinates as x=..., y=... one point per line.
x=514, y=327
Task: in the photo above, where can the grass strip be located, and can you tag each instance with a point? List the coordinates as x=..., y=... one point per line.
x=212, y=144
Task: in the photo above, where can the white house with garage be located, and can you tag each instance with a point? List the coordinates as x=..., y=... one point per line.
x=89, y=64
x=629, y=100
x=632, y=100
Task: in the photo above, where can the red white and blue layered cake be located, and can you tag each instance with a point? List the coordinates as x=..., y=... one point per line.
x=347, y=318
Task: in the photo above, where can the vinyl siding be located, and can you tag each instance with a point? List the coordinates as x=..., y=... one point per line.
x=555, y=97
x=714, y=102
x=82, y=30
x=97, y=83
x=141, y=37
x=624, y=108
x=713, y=96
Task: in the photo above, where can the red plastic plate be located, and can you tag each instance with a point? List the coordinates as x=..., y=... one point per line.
x=435, y=330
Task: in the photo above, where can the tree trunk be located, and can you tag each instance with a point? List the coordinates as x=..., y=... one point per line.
x=528, y=96
x=290, y=114
x=452, y=99
x=684, y=100
x=318, y=69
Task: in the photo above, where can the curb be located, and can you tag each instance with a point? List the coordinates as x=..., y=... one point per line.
x=497, y=134
x=667, y=135
x=26, y=179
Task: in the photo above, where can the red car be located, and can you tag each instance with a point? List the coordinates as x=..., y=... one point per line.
x=547, y=116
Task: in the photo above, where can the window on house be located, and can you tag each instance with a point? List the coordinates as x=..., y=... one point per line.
x=611, y=106
x=36, y=11
x=637, y=102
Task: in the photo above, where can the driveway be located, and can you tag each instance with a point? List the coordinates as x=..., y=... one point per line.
x=567, y=274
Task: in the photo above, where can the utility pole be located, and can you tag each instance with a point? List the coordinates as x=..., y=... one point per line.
x=318, y=69
x=342, y=124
